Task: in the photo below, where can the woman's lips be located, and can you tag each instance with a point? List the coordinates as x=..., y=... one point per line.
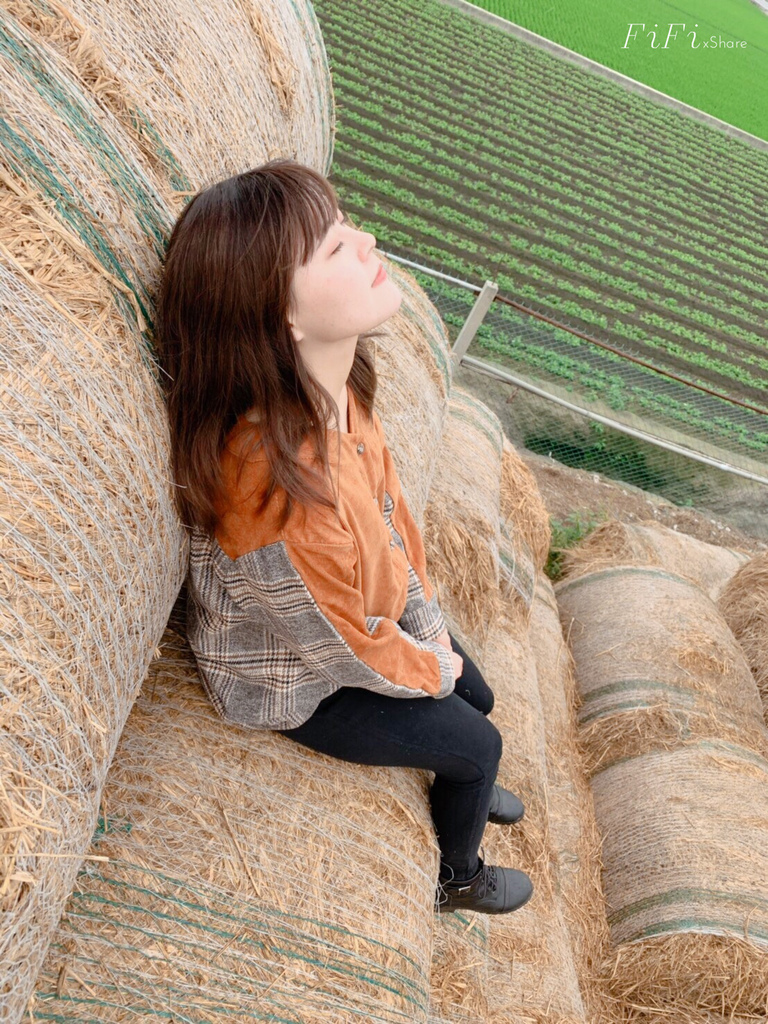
x=380, y=276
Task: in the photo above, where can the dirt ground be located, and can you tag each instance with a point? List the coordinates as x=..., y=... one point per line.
x=566, y=491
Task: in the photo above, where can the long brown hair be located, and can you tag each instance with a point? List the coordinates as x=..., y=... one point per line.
x=225, y=342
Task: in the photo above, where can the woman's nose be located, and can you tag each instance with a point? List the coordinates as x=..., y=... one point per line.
x=367, y=242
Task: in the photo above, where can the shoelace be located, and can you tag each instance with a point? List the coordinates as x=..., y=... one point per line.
x=490, y=878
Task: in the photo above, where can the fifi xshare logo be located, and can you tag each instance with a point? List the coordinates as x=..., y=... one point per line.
x=714, y=42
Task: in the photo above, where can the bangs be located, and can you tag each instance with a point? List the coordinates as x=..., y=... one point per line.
x=314, y=210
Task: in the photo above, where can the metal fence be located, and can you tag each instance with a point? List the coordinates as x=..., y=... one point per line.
x=563, y=394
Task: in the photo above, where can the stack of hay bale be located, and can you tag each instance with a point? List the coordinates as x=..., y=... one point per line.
x=156, y=859
x=677, y=751
x=246, y=873
x=224, y=875
x=487, y=538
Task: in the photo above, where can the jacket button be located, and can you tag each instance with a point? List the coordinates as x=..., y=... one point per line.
x=360, y=448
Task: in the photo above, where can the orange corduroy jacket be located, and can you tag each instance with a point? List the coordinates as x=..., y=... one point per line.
x=279, y=619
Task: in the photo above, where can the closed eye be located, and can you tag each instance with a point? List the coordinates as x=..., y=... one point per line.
x=337, y=248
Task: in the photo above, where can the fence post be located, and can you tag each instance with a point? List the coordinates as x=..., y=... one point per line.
x=476, y=314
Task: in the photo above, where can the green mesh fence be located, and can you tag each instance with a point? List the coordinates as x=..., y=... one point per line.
x=592, y=409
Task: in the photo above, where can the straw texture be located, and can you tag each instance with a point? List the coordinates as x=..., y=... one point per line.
x=656, y=664
x=521, y=504
x=686, y=878
x=709, y=566
x=531, y=967
x=461, y=521
x=744, y=605
x=96, y=155
x=248, y=876
x=203, y=90
x=574, y=836
x=93, y=553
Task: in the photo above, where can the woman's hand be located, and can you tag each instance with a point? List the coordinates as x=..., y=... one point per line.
x=444, y=639
x=458, y=664
x=458, y=661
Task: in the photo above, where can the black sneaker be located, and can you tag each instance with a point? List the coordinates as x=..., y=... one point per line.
x=492, y=890
x=506, y=808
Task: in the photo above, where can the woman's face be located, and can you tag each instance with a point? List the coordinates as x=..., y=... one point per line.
x=333, y=295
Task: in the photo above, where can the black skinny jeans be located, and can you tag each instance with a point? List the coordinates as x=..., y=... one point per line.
x=450, y=736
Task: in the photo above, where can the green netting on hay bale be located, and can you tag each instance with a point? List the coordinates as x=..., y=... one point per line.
x=203, y=91
x=517, y=569
x=709, y=566
x=744, y=606
x=93, y=170
x=93, y=550
x=686, y=878
x=656, y=665
x=248, y=876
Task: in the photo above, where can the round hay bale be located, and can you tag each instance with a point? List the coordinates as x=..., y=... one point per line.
x=204, y=91
x=574, y=836
x=95, y=554
x=459, y=978
x=461, y=521
x=411, y=354
x=517, y=569
x=522, y=507
x=615, y=543
x=247, y=876
x=655, y=665
x=744, y=606
x=531, y=970
x=686, y=878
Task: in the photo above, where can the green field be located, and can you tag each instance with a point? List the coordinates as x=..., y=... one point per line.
x=476, y=154
x=727, y=82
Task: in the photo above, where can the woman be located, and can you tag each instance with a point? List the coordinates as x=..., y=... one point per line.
x=309, y=608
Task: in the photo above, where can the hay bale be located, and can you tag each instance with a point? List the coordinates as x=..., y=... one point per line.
x=461, y=521
x=522, y=507
x=531, y=971
x=647, y=543
x=94, y=551
x=655, y=665
x=487, y=969
x=574, y=836
x=202, y=90
x=517, y=569
x=459, y=978
x=247, y=876
x=413, y=372
x=686, y=879
x=744, y=606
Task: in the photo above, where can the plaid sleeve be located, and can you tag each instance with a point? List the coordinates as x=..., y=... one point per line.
x=370, y=651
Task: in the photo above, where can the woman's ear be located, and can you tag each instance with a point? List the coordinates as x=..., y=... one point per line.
x=297, y=335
